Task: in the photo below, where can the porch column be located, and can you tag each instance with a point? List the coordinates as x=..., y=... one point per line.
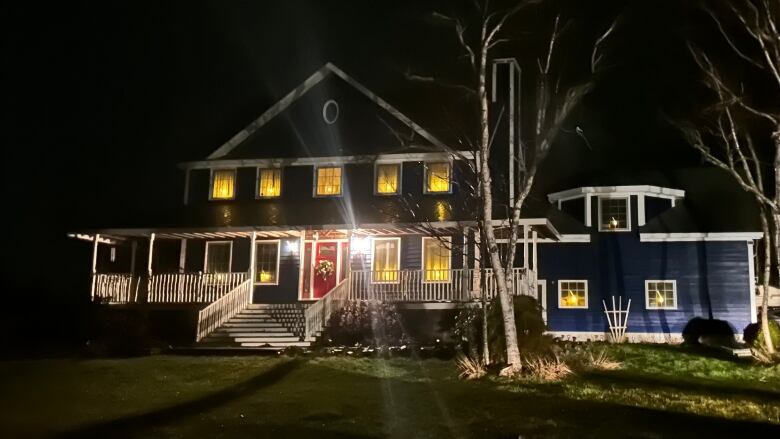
x=133, y=288
x=534, y=240
x=525, y=246
x=253, y=256
x=182, y=255
x=149, y=267
x=94, y=265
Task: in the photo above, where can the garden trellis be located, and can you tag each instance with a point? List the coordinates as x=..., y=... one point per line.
x=617, y=317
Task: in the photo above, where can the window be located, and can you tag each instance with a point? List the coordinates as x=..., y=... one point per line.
x=223, y=184
x=572, y=294
x=386, y=260
x=388, y=177
x=328, y=181
x=437, y=178
x=661, y=294
x=436, y=259
x=218, y=256
x=267, y=262
x=614, y=214
x=269, y=183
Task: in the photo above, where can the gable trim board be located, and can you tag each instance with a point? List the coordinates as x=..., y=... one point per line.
x=730, y=236
x=653, y=191
x=301, y=90
x=324, y=161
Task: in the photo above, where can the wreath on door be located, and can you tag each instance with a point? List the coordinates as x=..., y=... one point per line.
x=324, y=268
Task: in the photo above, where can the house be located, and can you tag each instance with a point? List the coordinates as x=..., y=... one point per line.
x=332, y=194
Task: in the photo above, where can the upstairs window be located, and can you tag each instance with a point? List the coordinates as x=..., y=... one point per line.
x=437, y=178
x=269, y=183
x=572, y=294
x=661, y=294
x=386, y=260
x=614, y=214
x=267, y=262
x=436, y=259
x=218, y=256
x=328, y=181
x=223, y=184
x=388, y=177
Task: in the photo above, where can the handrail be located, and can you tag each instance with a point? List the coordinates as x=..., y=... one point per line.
x=223, y=309
x=192, y=287
x=318, y=314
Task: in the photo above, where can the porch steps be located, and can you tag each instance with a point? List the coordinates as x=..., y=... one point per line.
x=261, y=326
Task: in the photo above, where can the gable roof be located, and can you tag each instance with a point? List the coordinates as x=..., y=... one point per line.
x=326, y=71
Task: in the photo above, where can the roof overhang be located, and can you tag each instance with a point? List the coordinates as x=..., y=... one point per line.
x=730, y=236
x=542, y=226
x=653, y=191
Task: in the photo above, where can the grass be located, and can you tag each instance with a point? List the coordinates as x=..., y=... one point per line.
x=659, y=392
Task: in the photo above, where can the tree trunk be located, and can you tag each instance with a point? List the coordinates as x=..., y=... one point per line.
x=767, y=272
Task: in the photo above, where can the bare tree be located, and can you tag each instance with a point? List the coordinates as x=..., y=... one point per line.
x=749, y=29
x=553, y=104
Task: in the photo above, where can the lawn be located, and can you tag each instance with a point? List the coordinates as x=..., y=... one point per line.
x=660, y=392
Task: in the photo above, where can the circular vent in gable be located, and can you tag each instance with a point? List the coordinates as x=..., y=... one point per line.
x=330, y=112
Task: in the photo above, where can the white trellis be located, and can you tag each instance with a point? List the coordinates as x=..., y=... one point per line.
x=617, y=317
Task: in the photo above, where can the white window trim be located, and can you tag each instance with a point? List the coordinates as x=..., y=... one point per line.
x=561, y=305
x=397, y=192
x=373, y=259
x=647, y=294
x=257, y=183
x=206, y=257
x=422, y=260
x=278, y=243
x=425, y=178
x=628, y=212
x=211, y=183
x=316, y=180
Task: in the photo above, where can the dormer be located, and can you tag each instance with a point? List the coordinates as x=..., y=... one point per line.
x=616, y=208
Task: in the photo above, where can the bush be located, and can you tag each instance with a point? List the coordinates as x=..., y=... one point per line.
x=365, y=323
x=774, y=332
x=545, y=367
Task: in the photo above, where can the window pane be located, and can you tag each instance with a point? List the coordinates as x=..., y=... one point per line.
x=218, y=257
x=437, y=260
x=660, y=294
x=614, y=213
x=386, y=253
x=329, y=181
x=438, y=177
x=266, y=262
x=223, y=184
x=270, y=184
x=387, y=179
x=573, y=294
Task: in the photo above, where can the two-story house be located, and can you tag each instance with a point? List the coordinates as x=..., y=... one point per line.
x=332, y=194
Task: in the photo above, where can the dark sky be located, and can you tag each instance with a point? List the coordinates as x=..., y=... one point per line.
x=103, y=99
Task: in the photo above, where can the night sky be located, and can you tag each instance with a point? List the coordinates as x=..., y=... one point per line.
x=102, y=100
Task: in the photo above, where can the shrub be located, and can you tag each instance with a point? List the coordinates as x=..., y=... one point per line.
x=545, y=367
x=774, y=333
x=367, y=323
x=469, y=368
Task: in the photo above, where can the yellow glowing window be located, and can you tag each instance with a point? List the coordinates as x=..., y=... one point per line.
x=387, y=177
x=661, y=294
x=386, y=260
x=267, y=262
x=223, y=184
x=573, y=294
x=328, y=181
x=436, y=259
x=437, y=177
x=269, y=183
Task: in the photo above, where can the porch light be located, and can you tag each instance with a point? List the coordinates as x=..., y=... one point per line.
x=360, y=245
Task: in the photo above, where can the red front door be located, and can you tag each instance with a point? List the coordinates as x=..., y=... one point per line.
x=325, y=268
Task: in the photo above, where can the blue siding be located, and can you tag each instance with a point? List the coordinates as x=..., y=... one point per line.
x=712, y=281
x=289, y=274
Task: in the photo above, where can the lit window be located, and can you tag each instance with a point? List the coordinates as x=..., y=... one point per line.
x=386, y=260
x=573, y=294
x=223, y=184
x=387, y=177
x=613, y=214
x=437, y=177
x=267, y=262
x=661, y=294
x=269, y=183
x=218, y=256
x=436, y=259
x=328, y=181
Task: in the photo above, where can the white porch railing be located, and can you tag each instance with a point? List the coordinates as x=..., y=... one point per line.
x=211, y=317
x=192, y=287
x=455, y=285
x=318, y=314
x=113, y=287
